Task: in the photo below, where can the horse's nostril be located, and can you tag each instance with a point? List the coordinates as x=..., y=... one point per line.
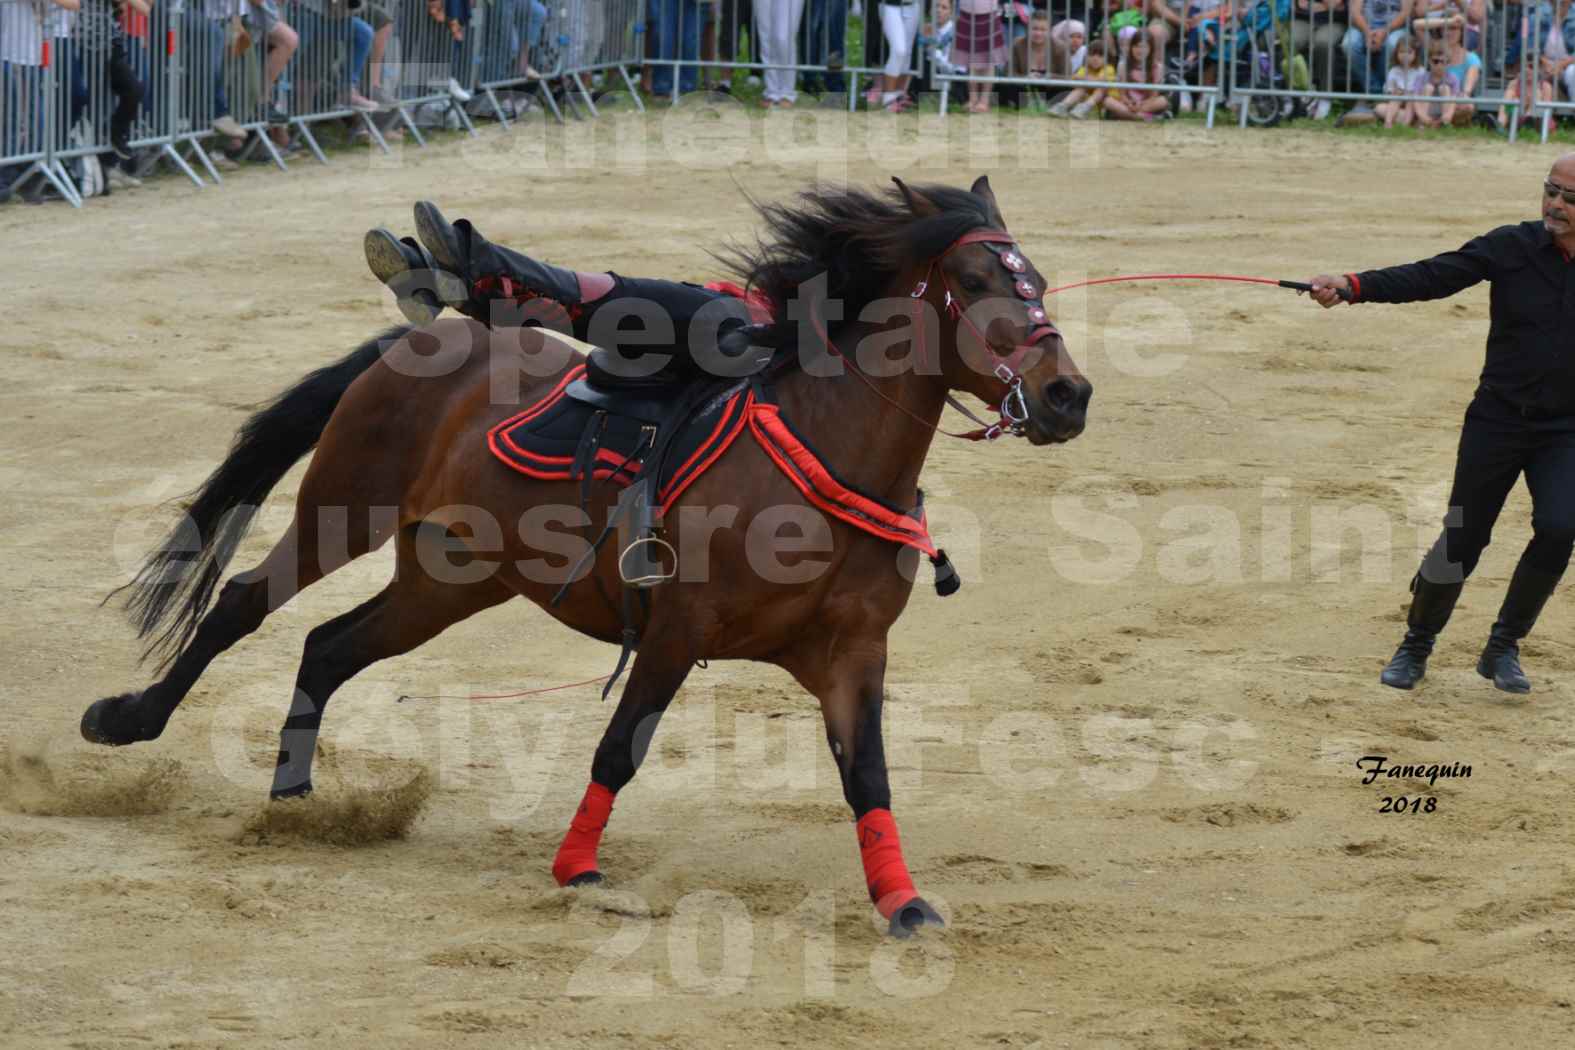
x=1061, y=393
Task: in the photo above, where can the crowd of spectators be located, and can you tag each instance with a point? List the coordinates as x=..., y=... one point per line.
x=1438, y=56
x=1421, y=63
x=1524, y=49
x=104, y=68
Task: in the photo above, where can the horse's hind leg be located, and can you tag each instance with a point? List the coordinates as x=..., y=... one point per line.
x=412, y=610
x=316, y=544
x=243, y=603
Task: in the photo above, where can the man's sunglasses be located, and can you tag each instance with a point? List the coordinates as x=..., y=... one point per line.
x=1554, y=190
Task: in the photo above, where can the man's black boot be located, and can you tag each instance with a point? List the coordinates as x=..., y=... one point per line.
x=1529, y=590
x=1431, y=604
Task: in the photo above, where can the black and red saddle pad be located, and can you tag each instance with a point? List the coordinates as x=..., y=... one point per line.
x=559, y=438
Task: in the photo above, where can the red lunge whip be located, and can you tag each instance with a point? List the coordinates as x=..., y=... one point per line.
x=1299, y=286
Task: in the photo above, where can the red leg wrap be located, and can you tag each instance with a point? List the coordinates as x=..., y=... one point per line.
x=885, y=872
x=577, y=854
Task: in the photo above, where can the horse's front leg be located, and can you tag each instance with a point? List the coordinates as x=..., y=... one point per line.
x=658, y=672
x=851, y=692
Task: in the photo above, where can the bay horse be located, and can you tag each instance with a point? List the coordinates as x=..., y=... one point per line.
x=392, y=430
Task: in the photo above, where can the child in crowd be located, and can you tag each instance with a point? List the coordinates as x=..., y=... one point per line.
x=1080, y=102
x=981, y=46
x=941, y=38
x=1441, y=86
x=1405, y=78
x=1068, y=45
x=1139, y=66
x=1528, y=83
x=1122, y=24
x=937, y=41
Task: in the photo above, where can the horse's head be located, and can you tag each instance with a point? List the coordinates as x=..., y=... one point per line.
x=1007, y=353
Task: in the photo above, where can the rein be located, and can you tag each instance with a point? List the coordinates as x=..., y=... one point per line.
x=1013, y=407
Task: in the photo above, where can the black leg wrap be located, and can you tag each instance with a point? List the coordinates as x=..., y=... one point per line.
x=292, y=774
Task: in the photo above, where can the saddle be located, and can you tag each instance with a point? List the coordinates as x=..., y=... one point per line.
x=661, y=434
x=744, y=350
x=653, y=436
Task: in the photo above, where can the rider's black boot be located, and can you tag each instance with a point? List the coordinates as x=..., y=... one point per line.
x=493, y=274
x=422, y=289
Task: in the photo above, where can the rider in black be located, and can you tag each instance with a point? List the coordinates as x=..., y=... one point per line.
x=504, y=288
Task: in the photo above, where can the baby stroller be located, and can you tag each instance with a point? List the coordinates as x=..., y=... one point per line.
x=1261, y=60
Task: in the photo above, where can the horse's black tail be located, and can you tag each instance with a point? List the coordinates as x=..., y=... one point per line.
x=177, y=581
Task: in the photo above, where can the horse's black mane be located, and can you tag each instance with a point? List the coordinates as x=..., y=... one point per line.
x=860, y=240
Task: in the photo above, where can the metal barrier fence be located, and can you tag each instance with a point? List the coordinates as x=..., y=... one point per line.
x=1124, y=58
x=1556, y=43
x=524, y=44
x=787, y=44
x=30, y=93
x=1460, y=61
x=891, y=50
x=120, y=85
x=123, y=84
x=603, y=38
x=436, y=68
x=325, y=76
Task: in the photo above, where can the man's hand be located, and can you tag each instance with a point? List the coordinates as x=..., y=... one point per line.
x=1330, y=291
x=1376, y=38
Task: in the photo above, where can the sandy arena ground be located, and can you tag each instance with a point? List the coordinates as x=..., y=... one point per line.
x=1123, y=756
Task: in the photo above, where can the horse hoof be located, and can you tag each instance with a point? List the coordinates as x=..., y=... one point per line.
x=916, y=913
x=104, y=722
x=585, y=878
x=298, y=791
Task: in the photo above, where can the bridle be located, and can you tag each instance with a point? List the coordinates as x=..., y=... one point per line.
x=1013, y=406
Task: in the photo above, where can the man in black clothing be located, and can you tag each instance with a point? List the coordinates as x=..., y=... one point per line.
x=1522, y=420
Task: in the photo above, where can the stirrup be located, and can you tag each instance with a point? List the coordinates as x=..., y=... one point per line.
x=646, y=567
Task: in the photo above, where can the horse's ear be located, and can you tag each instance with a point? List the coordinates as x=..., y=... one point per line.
x=921, y=206
x=981, y=188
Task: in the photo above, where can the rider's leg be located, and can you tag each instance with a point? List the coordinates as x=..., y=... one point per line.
x=508, y=287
